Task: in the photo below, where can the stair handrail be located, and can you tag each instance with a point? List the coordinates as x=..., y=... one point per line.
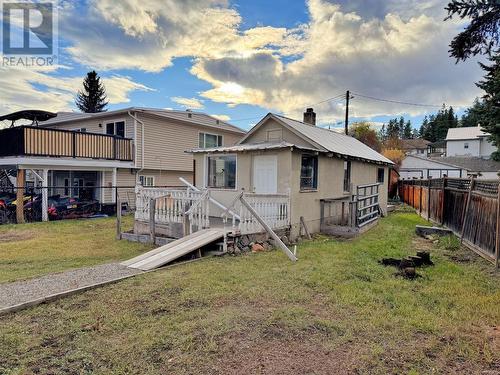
x=211, y=199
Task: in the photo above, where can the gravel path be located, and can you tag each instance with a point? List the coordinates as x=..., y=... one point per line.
x=20, y=292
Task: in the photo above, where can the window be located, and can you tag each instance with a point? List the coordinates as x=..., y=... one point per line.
x=209, y=140
x=309, y=172
x=147, y=180
x=221, y=172
x=81, y=130
x=66, y=186
x=347, y=176
x=466, y=145
x=116, y=128
x=380, y=175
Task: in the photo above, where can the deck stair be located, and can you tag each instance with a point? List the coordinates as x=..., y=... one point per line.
x=173, y=250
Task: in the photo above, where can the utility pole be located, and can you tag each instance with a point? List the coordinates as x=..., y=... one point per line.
x=347, y=95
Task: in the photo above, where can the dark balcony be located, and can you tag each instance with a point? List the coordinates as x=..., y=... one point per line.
x=35, y=141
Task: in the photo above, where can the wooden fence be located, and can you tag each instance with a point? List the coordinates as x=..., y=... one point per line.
x=469, y=207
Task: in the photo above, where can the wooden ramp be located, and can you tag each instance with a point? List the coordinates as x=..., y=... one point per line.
x=169, y=252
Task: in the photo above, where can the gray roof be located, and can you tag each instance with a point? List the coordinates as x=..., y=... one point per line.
x=332, y=141
x=197, y=118
x=472, y=164
x=250, y=147
x=470, y=132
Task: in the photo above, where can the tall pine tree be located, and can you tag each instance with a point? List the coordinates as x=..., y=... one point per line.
x=489, y=112
x=93, y=97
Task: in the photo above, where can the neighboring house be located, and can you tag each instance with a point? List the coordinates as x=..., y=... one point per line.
x=453, y=166
x=469, y=141
x=414, y=166
x=417, y=146
x=284, y=156
x=436, y=149
x=82, y=151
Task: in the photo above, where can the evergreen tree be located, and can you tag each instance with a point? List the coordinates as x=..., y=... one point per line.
x=489, y=112
x=93, y=97
x=408, y=131
x=471, y=115
x=482, y=35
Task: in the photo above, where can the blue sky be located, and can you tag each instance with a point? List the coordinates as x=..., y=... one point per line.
x=242, y=59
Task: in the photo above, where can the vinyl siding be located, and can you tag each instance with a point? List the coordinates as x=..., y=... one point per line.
x=167, y=140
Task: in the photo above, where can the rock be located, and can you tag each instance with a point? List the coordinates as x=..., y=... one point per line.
x=285, y=240
x=257, y=248
x=424, y=231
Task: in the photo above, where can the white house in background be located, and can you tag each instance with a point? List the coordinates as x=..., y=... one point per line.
x=414, y=166
x=470, y=141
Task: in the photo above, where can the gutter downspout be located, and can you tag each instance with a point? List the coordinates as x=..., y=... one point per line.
x=142, y=141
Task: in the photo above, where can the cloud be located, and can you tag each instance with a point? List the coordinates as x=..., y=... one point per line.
x=40, y=88
x=222, y=117
x=391, y=57
x=191, y=103
x=149, y=34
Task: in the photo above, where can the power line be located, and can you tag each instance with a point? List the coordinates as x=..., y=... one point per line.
x=397, y=101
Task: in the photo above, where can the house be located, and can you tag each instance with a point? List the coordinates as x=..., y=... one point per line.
x=283, y=156
x=417, y=146
x=414, y=166
x=76, y=153
x=469, y=141
x=437, y=148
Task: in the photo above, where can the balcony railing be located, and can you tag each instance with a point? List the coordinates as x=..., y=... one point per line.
x=35, y=141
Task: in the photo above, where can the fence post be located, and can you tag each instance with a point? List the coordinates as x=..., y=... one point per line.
x=118, y=218
x=497, y=237
x=429, y=182
x=152, y=211
x=466, y=209
x=442, y=200
x=420, y=203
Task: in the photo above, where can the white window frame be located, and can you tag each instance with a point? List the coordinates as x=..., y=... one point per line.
x=205, y=172
x=105, y=126
x=205, y=141
x=144, y=178
x=81, y=130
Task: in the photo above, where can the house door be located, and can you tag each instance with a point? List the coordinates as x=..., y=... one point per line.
x=265, y=174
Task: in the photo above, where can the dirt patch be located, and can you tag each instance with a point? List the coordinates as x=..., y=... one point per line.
x=286, y=357
x=16, y=235
x=493, y=335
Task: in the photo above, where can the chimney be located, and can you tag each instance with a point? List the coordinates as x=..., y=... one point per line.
x=310, y=117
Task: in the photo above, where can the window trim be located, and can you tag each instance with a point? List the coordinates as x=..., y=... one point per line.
x=206, y=176
x=280, y=130
x=80, y=130
x=383, y=175
x=349, y=169
x=105, y=125
x=315, y=177
x=145, y=177
x=204, y=138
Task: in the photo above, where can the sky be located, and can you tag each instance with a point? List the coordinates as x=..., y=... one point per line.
x=239, y=60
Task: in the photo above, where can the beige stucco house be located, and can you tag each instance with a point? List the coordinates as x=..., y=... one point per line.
x=280, y=155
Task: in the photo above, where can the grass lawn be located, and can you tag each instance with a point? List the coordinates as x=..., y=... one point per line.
x=36, y=249
x=334, y=311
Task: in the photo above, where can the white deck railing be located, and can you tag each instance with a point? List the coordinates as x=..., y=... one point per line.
x=173, y=205
x=274, y=209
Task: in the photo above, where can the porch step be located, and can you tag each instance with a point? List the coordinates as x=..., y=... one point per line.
x=169, y=252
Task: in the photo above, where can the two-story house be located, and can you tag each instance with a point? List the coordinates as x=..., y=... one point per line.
x=469, y=141
x=76, y=153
